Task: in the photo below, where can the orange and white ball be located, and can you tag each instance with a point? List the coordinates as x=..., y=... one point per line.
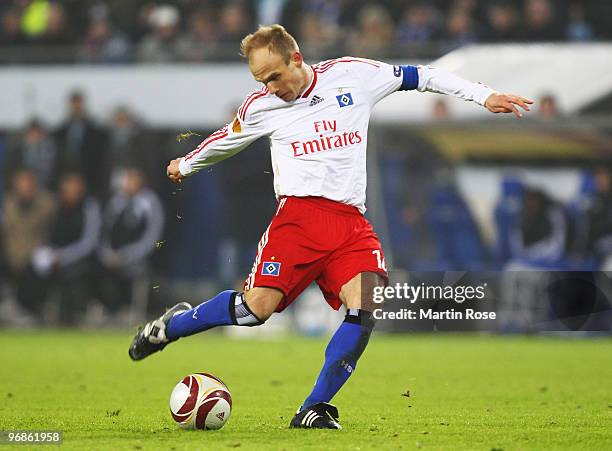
x=201, y=401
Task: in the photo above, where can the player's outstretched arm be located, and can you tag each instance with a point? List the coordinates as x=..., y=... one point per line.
x=507, y=103
x=432, y=79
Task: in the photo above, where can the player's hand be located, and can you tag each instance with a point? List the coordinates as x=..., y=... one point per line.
x=172, y=171
x=507, y=103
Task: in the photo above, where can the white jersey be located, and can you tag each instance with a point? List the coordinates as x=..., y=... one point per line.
x=318, y=141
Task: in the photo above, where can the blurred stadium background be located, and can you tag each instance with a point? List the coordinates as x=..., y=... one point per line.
x=94, y=94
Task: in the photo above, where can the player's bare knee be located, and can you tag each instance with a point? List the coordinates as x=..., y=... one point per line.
x=262, y=302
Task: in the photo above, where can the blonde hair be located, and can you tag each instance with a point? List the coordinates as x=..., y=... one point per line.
x=274, y=37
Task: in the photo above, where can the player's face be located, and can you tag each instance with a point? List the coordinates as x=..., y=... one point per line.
x=285, y=81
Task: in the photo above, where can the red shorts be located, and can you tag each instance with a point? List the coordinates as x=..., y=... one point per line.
x=315, y=239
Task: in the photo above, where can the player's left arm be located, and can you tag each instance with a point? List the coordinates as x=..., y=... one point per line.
x=437, y=80
x=381, y=79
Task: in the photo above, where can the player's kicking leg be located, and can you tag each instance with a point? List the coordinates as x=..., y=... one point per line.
x=342, y=353
x=152, y=337
x=228, y=308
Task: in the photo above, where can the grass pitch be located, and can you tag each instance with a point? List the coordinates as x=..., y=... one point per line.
x=424, y=392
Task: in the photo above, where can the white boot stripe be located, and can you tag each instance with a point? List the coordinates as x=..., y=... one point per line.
x=310, y=419
x=307, y=417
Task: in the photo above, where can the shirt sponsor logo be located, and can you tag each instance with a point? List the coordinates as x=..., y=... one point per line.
x=345, y=99
x=328, y=139
x=270, y=269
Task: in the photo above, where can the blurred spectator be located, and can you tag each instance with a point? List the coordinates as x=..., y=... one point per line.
x=374, y=31
x=547, y=107
x=316, y=36
x=234, y=24
x=103, y=44
x=329, y=11
x=35, y=151
x=10, y=28
x=201, y=39
x=25, y=224
x=540, y=237
x=418, y=25
x=578, y=29
x=440, y=110
x=63, y=263
x=540, y=22
x=161, y=44
x=133, y=224
x=467, y=6
x=131, y=18
x=599, y=15
x=460, y=29
x=502, y=22
x=57, y=31
x=130, y=146
x=538, y=245
x=82, y=146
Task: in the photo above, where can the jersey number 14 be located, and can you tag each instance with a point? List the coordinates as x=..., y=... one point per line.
x=380, y=260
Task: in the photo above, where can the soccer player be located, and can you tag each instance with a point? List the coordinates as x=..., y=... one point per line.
x=316, y=118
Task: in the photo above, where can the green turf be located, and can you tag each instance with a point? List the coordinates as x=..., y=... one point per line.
x=465, y=392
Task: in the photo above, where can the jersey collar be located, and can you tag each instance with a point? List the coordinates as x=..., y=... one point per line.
x=312, y=84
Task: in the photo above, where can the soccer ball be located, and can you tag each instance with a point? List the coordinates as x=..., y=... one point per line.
x=201, y=401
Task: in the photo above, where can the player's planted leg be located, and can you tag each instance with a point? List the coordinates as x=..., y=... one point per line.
x=318, y=416
x=341, y=354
